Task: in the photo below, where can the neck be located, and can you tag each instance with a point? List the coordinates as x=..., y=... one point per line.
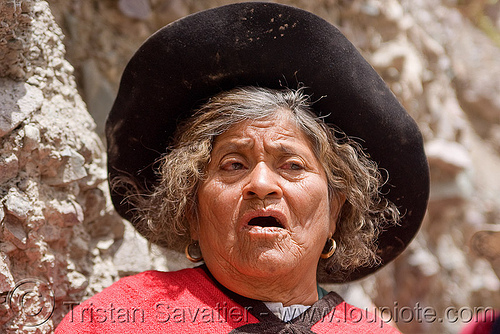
x=294, y=288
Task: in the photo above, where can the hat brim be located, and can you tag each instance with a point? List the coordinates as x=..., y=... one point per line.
x=275, y=46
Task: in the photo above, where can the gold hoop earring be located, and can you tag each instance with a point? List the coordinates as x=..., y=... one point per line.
x=330, y=248
x=189, y=247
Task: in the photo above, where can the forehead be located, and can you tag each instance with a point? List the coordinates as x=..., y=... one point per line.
x=279, y=130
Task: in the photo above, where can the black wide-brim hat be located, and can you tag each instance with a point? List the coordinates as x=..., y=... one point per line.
x=268, y=45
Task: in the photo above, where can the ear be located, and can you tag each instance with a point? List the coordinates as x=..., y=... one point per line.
x=193, y=225
x=336, y=203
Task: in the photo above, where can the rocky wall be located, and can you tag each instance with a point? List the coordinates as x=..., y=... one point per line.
x=58, y=228
x=59, y=236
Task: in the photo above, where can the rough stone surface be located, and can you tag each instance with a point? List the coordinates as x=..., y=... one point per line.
x=18, y=100
x=137, y=9
x=55, y=211
x=9, y=167
x=57, y=223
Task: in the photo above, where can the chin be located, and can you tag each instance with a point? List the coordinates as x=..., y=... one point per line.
x=268, y=262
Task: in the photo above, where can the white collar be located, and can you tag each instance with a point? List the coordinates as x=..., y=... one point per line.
x=286, y=313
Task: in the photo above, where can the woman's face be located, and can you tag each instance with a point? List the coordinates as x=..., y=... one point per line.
x=264, y=208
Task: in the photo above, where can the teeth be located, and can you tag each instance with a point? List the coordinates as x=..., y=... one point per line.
x=267, y=221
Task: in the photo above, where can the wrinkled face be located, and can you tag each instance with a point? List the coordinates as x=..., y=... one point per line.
x=264, y=208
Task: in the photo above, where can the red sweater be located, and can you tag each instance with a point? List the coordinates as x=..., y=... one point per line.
x=191, y=301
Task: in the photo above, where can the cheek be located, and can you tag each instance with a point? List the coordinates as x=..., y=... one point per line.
x=311, y=206
x=314, y=196
x=215, y=208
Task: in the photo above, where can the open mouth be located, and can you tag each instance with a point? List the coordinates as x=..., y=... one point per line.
x=266, y=221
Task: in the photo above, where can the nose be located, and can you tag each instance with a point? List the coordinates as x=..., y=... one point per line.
x=263, y=183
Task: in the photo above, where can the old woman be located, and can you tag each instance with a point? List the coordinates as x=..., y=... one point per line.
x=254, y=138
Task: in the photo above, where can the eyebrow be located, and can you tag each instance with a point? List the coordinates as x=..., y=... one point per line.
x=246, y=144
x=236, y=144
x=285, y=149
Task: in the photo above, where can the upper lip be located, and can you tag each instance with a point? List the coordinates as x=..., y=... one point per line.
x=278, y=215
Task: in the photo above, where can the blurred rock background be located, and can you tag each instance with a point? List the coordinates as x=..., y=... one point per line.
x=60, y=65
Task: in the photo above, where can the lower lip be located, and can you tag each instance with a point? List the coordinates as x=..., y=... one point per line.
x=265, y=231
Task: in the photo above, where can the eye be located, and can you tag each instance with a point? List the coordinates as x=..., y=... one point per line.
x=293, y=165
x=296, y=166
x=232, y=166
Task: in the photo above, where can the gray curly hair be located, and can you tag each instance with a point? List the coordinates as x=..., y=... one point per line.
x=349, y=172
